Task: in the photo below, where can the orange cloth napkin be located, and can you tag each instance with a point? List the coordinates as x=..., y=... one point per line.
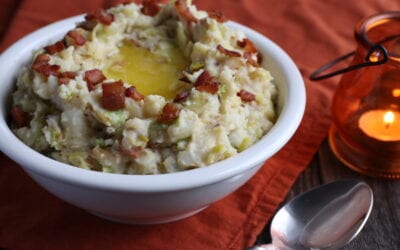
x=312, y=32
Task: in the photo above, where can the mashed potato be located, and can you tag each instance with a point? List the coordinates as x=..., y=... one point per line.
x=145, y=89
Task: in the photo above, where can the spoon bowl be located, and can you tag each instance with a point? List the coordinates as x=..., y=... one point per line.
x=326, y=217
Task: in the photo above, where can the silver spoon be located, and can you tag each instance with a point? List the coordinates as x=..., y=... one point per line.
x=326, y=217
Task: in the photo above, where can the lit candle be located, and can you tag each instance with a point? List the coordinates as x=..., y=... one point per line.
x=383, y=125
x=396, y=92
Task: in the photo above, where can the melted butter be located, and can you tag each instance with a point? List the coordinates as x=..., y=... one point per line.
x=150, y=73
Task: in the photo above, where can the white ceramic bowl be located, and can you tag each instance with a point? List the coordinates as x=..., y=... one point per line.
x=151, y=198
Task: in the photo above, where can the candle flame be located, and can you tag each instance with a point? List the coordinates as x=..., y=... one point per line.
x=388, y=118
x=396, y=92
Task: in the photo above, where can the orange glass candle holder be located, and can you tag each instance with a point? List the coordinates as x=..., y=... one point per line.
x=365, y=134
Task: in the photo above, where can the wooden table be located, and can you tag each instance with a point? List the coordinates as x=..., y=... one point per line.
x=382, y=230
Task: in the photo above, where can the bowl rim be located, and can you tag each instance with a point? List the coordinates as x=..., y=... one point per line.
x=289, y=120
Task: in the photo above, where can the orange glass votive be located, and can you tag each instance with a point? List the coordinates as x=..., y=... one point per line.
x=366, y=106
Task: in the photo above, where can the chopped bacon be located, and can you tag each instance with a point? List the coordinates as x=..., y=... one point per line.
x=77, y=37
x=203, y=77
x=250, y=60
x=228, y=52
x=113, y=95
x=42, y=66
x=168, y=114
x=18, y=117
x=246, y=96
x=68, y=74
x=131, y=92
x=184, y=11
x=40, y=60
x=65, y=77
x=150, y=7
x=48, y=70
x=54, y=48
x=87, y=25
x=93, y=77
x=182, y=96
x=250, y=49
x=217, y=15
x=133, y=152
x=247, y=46
x=101, y=16
x=205, y=83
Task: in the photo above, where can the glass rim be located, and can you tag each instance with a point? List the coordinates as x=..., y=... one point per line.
x=370, y=22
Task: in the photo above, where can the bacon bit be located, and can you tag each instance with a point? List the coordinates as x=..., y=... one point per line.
x=78, y=38
x=217, y=15
x=246, y=96
x=250, y=60
x=53, y=70
x=69, y=74
x=182, y=96
x=40, y=60
x=87, y=25
x=63, y=81
x=131, y=92
x=57, y=47
x=228, y=52
x=18, y=117
x=113, y=95
x=65, y=77
x=184, y=11
x=247, y=46
x=42, y=66
x=205, y=83
x=101, y=16
x=93, y=77
x=169, y=113
x=150, y=7
x=133, y=152
x=48, y=70
x=249, y=49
